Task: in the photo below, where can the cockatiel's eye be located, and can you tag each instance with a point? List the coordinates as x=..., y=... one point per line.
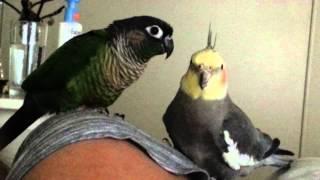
x=221, y=67
x=155, y=31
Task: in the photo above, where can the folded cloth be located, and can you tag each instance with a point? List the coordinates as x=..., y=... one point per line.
x=67, y=128
x=307, y=168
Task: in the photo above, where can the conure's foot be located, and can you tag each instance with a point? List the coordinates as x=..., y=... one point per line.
x=122, y=116
x=81, y=108
x=102, y=110
x=167, y=142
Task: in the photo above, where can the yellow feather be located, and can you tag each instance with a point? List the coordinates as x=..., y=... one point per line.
x=190, y=85
x=207, y=57
x=217, y=86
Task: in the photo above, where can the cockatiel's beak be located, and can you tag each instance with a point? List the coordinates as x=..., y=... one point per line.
x=204, y=77
x=168, y=46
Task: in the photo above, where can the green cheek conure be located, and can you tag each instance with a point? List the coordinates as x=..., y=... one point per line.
x=90, y=70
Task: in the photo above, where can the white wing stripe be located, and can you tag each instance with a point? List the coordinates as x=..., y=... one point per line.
x=233, y=157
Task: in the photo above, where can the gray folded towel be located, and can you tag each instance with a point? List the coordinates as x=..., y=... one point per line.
x=67, y=128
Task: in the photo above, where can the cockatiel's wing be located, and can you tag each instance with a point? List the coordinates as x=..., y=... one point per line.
x=243, y=144
x=67, y=61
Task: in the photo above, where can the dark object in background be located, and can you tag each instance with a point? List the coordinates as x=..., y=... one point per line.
x=303, y=168
x=28, y=14
x=3, y=84
x=28, y=41
x=4, y=169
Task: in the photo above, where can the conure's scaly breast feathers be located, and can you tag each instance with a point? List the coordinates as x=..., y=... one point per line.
x=90, y=70
x=211, y=130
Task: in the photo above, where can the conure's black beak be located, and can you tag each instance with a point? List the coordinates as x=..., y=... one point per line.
x=168, y=45
x=205, y=75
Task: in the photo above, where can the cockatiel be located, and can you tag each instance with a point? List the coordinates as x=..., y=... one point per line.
x=205, y=125
x=90, y=70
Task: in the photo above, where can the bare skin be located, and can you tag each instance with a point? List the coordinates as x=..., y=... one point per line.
x=99, y=159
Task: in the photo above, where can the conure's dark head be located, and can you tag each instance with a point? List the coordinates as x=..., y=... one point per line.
x=148, y=36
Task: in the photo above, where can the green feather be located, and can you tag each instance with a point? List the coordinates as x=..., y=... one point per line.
x=90, y=70
x=74, y=75
x=66, y=62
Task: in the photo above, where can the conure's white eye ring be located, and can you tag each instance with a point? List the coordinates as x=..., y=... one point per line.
x=155, y=31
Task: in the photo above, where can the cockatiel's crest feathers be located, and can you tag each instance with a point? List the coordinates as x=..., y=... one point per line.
x=207, y=57
x=209, y=42
x=206, y=77
x=209, y=45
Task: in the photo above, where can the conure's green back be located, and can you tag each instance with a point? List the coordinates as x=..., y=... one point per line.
x=75, y=74
x=90, y=70
x=66, y=62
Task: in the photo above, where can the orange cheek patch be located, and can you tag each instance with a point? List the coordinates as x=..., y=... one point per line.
x=224, y=76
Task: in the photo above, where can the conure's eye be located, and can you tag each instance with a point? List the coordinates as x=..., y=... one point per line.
x=221, y=66
x=155, y=31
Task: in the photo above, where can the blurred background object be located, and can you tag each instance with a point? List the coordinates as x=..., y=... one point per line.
x=301, y=169
x=4, y=169
x=28, y=41
x=3, y=79
x=70, y=26
x=27, y=49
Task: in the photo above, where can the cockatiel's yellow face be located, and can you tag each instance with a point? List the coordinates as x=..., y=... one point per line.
x=206, y=77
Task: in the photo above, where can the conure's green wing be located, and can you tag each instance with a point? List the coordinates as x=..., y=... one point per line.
x=66, y=62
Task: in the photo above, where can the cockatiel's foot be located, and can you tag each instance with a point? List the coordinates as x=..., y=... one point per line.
x=167, y=142
x=121, y=116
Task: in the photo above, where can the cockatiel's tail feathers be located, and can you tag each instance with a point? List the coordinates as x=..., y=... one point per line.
x=277, y=161
x=274, y=149
x=274, y=146
x=284, y=152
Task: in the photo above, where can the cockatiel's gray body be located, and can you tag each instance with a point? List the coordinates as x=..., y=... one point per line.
x=206, y=126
